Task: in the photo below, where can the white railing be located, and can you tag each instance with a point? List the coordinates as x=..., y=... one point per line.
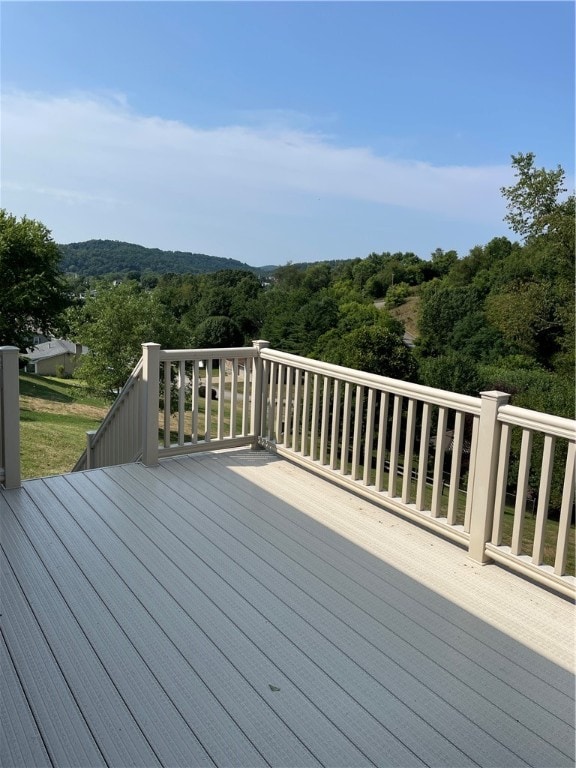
x=446, y=461
x=118, y=439
x=9, y=418
x=396, y=442
x=176, y=402
x=546, y=454
x=388, y=439
x=199, y=400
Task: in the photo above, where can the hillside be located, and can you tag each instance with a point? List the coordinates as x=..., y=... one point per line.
x=105, y=257
x=408, y=314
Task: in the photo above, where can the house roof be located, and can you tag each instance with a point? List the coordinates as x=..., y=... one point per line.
x=52, y=348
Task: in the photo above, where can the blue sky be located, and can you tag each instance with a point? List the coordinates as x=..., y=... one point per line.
x=281, y=131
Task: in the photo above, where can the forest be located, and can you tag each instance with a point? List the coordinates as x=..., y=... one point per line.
x=116, y=260
x=500, y=317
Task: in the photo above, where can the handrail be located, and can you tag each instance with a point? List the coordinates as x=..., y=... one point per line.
x=188, y=355
x=538, y=421
x=441, y=397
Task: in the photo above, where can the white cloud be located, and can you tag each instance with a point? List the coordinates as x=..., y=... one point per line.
x=91, y=161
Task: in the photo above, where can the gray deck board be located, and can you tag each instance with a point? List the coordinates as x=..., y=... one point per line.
x=168, y=698
x=410, y=624
x=238, y=631
x=21, y=740
x=65, y=732
x=320, y=598
x=229, y=609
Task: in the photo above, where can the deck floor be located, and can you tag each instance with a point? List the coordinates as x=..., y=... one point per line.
x=231, y=609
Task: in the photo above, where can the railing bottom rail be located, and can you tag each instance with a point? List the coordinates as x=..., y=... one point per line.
x=455, y=533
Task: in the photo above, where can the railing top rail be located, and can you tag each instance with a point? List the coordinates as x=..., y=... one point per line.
x=439, y=397
x=538, y=421
x=206, y=354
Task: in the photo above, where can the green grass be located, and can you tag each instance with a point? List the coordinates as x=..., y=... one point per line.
x=58, y=390
x=55, y=415
x=51, y=443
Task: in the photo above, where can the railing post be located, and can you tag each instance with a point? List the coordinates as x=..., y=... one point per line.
x=257, y=391
x=10, y=417
x=149, y=402
x=484, y=477
x=89, y=449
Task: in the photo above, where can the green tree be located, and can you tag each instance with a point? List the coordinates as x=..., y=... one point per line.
x=533, y=204
x=217, y=331
x=443, y=261
x=376, y=349
x=526, y=316
x=33, y=292
x=114, y=324
x=442, y=308
x=454, y=371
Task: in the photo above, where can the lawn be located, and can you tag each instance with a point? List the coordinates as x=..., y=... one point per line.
x=55, y=415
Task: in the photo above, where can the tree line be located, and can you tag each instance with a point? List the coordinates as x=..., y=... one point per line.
x=114, y=259
x=501, y=317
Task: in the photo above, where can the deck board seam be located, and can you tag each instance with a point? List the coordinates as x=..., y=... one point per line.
x=26, y=698
x=102, y=602
x=153, y=618
x=57, y=663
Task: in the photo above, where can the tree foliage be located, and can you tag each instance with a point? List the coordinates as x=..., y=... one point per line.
x=508, y=302
x=114, y=324
x=505, y=304
x=33, y=294
x=533, y=201
x=376, y=349
x=217, y=331
x=112, y=257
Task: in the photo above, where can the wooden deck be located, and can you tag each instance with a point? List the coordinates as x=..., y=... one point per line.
x=231, y=609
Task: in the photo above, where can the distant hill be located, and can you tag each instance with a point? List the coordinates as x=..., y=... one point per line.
x=106, y=257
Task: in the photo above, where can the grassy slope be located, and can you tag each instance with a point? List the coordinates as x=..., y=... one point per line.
x=54, y=417
x=408, y=314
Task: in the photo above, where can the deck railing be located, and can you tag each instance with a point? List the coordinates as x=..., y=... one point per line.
x=199, y=399
x=546, y=458
x=446, y=461
x=436, y=457
x=386, y=438
x=9, y=418
x=118, y=440
x=176, y=402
